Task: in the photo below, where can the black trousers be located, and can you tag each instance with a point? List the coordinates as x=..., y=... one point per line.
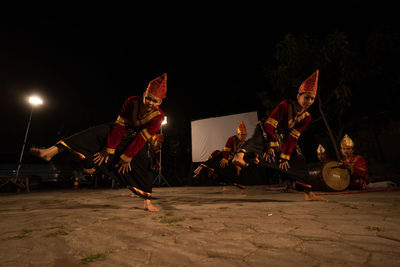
x=92, y=140
x=227, y=174
x=255, y=146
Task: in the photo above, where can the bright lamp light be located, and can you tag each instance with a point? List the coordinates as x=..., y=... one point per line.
x=164, y=121
x=35, y=100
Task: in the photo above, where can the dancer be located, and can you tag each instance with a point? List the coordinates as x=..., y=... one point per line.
x=219, y=164
x=275, y=138
x=357, y=165
x=321, y=154
x=118, y=147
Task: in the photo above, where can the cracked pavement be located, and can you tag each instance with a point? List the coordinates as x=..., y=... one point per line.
x=198, y=226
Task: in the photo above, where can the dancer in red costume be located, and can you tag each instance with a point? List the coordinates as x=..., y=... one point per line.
x=274, y=141
x=357, y=165
x=219, y=164
x=118, y=147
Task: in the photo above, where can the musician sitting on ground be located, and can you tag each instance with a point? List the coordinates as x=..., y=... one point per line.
x=356, y=164
x=321, y=154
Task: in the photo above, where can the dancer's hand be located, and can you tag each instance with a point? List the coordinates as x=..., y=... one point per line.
x=100, y=157
x=284, y=164
x=223, y=163
x=123, y=166
x=269, y=156
x=348, y=167
x=197, y=171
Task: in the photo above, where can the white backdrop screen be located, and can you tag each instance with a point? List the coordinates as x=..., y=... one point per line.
x=212, y=133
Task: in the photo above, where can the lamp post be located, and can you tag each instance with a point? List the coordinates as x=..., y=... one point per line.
x=34, y=101
x=160, y=176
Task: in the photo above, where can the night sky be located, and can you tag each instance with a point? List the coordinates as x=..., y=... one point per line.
x=86, y=60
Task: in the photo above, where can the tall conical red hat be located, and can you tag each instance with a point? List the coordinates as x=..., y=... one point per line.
x=158, y=87
x=241, y=128
x=310, y=84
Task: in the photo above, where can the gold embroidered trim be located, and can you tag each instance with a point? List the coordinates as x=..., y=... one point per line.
x=226, y=149
x=284, y=156
x=296, y=134
x=273, y=144
x=297, y=119
x=155, y=97
x=121, y=121
x=110, y=150
x=272, y=122
x=125, y=158
x=139, y=192
x=303, y=184
x=76, y=152
x=145, y=134
x=64, y=144
x=146, y=119
x=293, y=118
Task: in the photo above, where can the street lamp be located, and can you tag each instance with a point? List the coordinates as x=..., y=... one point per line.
x=164, y=122
x=160, y=176
x=34, y=101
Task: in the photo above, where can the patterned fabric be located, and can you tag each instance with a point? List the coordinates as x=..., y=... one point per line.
x=254, y=148
x=320, y=149
x=346, y=141
x=241, y=128
x=310, y=84
x=358, y=170
x=131, y=117
x=62, y=143
x=232, y=146
x=290, y=118
x=139, y=192
x=158, y=87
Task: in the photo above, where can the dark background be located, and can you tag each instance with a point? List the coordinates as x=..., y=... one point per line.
x=85, y=60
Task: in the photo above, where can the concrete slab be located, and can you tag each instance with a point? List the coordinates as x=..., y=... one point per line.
x=198, y=226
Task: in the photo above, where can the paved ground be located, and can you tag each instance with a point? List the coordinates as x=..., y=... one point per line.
x=198, y=226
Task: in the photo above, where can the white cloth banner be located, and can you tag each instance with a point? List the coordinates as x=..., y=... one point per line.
x=212, y=133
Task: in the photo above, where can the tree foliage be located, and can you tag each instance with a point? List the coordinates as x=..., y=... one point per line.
x=345, y=64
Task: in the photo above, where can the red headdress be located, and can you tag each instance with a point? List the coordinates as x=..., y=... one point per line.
x=310, y=84
x=158, y=87
x=241, y=128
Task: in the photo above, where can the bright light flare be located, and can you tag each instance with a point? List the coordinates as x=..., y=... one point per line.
x=35, y=100
x=164, y=121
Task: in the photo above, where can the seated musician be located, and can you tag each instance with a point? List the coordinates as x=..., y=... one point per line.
x=356, y=164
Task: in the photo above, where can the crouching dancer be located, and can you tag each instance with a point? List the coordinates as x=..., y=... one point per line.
x=119, y=147
x=275, y=138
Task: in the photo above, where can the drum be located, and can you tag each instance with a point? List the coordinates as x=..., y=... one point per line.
x=331, y=176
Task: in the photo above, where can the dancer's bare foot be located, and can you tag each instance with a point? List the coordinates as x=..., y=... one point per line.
x=312, y=197
x=238, y=160
x=45, y=154
x=148, y=206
